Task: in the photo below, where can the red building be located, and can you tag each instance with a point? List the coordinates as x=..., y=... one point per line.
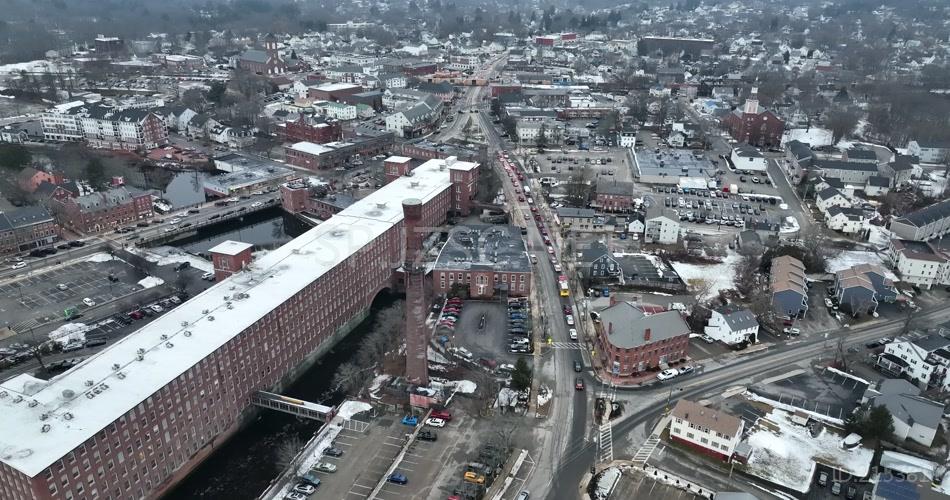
x=263, y=62
x=229, y=257
x=102, y=211
x=307, y=129
x=333, y=91
x=485, y=260
x=27, y=228
x=546, y=40
x=754, y=125
x=30, y=178
x=133, y=420
x=419, y=69
x=396, y=167
x=630, y=341
x=615, y=196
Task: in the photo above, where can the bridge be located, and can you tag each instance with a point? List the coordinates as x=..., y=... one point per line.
x=293, y=406
x=191, y=223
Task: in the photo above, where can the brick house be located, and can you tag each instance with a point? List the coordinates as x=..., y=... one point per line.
x=486, y=259
x=630, y=341
x=614, y=196
x=30, y=178
x=229, y=257
x=307, y=129
x=103, y=210
x=27, y=228
x=754, y=125
x=706, y=430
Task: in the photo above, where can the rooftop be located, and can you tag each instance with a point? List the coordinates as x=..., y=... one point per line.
x=628, y=326
x=708, y=418
x=673, y=163
x=54, y=417
x=230, y=247
x=475, y=247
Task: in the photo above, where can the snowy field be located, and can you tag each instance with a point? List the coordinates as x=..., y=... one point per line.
x=164, y=256
x=786, y=454
x=721, y=276
x=844, y=259
x=815, y=137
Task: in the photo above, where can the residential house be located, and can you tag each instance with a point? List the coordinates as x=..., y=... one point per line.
x=576, y=219
x=915, y=417
x=861, y=155
x=877, y=185
x=754, y=125
x=177, y=117
x=13, y=134
x=661, y=225
x=929, y=151
x=630, y=341
x=263, y=62
x=925, y=224
x=29, y=179
x=850, y=172
x=416, y=119
x=831, y=197
x=102, y=211
x=788, y=286
x=706, y=430
x=918, y=263
x=845, y=219
x=798, y=160
x=749, y=241
x=338, y=111
x=598, y=264
x=614, y=196
x=732, y=325
x=748, y=158
x=130, y=129
x=922, y=360
x=628, y=138
x=900, y=169
x=27, y=228
x=861, y=288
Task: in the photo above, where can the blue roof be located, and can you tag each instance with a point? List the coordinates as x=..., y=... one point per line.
x=891, y=488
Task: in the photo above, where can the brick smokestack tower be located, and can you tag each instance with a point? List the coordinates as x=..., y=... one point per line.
x=417, y=370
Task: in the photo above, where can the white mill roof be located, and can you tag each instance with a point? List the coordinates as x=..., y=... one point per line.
x=45, y=420
x=230, y=247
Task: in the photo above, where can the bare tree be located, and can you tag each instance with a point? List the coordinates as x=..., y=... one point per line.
x=287, y=451
x=841, y=121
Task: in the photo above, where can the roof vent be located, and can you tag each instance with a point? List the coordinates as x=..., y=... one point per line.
x=116, y=367
x=184, y=323
x=205, y=311
x=210, y=318
x=414, y=184
x=3, y=394
x=46, y=428
x=89, y=383
x=140, y=357
x=169, y=345
x=44, y=416
x=121, y=375
x=68, y=393
x=140, y=351
x=164, y=337
x=381, y=205
x=230, y=306
x=187, y=333
x=33, y=403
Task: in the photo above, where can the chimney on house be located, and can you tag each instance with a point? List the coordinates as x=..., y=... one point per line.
x=610, y=328
x=646, y=334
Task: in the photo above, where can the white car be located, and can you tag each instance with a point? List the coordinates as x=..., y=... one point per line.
x=89, y=302
x=707, y=339
x=18, y=265
x=435, y=422
x=570, y=320
x=157, y=308
x=557, y=268
x=174, y=221
x=792, y=331
x=257, y=204
x=667, y=374
x=573, y=333
x=62, y=286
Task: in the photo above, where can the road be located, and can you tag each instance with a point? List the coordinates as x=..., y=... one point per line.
x=471, y=99
x=702, y=385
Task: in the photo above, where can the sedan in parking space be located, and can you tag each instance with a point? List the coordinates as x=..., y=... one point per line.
x=62, y=286
x=89, y=302
x=435, y=422
x=398, y=478
x=427, y=436
x=707, y=339
x=324, y=467
x=333, y=452
x=18, y=265
x=304, y=488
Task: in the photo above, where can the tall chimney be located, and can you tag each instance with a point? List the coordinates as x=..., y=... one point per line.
x=610, y=328
x=646, y=335
x=416, y=338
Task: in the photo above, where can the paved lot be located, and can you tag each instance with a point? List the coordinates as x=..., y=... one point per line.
x=366, y=457
x=724, y=208
x=37, y=297
x=827, y=393
x=572, y=162
x=490, y=342
x=640, y=486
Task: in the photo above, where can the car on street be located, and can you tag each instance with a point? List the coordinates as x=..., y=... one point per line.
x=398, y=478
x=257, y=204
x=578, y=366
x=578, y=384
x=707, y=339
x=18, y=265
x=685, y=369
x=572, y=333
x=794, y=332
x=567, y=309
x=89, y=302
x=324, y=467
x=570, y=320
x=667, y=374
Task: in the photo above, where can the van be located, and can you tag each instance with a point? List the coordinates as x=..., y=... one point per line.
x=96, y=342
x=182, y=266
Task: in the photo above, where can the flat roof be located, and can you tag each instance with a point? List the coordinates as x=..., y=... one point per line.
x=53, y=417
x=484, y=246
x=311, y=148
x=672, y=163
x=330, y=87
x=230, y=247
x=398, y=159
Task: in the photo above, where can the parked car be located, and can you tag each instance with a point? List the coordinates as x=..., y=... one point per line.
x=324, y=467
x=398, y=478
x=435, y=422
x=443, y=414
x=793, y=332
x=427, y=436
x=89, y=302
x=62, y=286
x=305, y=488
x=410, y=420
x=685, y=369
x=18, y=265
x=667, y=374
x=707, y=339
x=572, y=333
x=333, y=452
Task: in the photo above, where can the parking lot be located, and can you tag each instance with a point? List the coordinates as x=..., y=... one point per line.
x=826, y=392
x=490, y=341
x=39, y=298
x=715, y=209
x=608, y=164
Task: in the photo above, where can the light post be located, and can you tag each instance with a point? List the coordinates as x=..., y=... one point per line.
x=669, y=396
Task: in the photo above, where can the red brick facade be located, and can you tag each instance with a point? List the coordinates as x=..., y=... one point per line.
x=318, y=133
x=647, y=356
x=464, y=189
x=481, y=283
x=79, y=215
x=757, y=129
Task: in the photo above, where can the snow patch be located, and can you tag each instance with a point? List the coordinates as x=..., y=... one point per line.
x=848, y=375
x=786, y=454
x=164, y=256
x=815, y=137
x=721, y=276
x=150, y=282
x=463, y=386
x=846, y=259
x=100, y=257
x=70, y=332
x=350, y=408
x=544, y=395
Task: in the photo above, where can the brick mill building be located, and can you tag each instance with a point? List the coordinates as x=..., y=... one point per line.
x=631, y=340
x=134, y=419
x=310, y=129
x=102, y=211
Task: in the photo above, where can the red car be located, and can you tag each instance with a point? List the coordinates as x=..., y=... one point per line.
x=443, y=414
x=521, y=199
x=579, y=384
x=567, y=310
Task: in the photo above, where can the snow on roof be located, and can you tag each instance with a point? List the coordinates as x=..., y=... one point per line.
x=53, y=417
x=331, y=87
x=311, y=148
x=398, y=159
x=230, y=247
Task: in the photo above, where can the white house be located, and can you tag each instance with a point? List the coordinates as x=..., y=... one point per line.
x=339, y=111
x=918, y=263
x=915, y=417
x=661, y=225
x=529, y=132
x=845, y=220
x=928, y=151
x=676, y=140
x=732, y=325
x=923, y=361
x=831, y=197
x=706, y=430
x=748, y=158
x=628, y=138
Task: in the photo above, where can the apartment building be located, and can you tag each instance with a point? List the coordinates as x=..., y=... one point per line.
x=706, y=430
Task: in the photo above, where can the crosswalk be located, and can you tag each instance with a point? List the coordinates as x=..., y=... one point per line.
x=645, y=451
x=605, y=443
x=566, y=345
x=25, y=325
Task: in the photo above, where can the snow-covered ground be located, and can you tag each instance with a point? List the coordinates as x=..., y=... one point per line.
x=100, y=257
x=150, y=281
x=70, y=332
x=880, y=236
x=815, y=137
x=786, y=454
x=844, y=259
x=721, y=276
x=350, y=408
x=164, y=256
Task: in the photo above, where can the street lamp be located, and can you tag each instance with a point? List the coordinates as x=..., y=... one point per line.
x=669, y=396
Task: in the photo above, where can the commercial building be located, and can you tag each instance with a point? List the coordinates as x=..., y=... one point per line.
x=26, y=228
x=310, y=129
x=485, y=260
x=246, y=173
x=706, y=430
x=748, y=158
x=102, y=211
x=928, y=223
x=314, y=156
x=788, y=286
x=630, y=341
x=754, y=125
x=674, y=167
x=416, y=119
x=134, y=419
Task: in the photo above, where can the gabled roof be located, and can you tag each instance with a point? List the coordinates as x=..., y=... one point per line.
x=788, y=273
x=737, y=318
x=707, y=418
x=615, y=188
x=859, y=166
x=829, y=193
x=575, y=212
x=854, y=214
x=627, y=326
x=800, y=150
x=254, y=55
x=879, y=181
x=928, y=214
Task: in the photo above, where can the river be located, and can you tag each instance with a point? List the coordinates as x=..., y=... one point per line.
x=245, y=465
x=265, y=229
